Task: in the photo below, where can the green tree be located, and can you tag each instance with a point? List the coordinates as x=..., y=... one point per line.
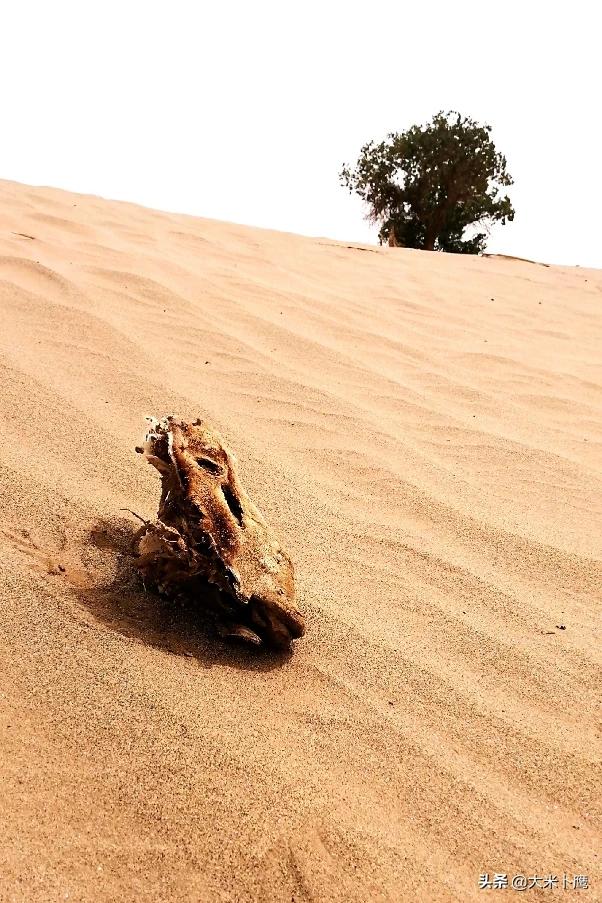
x=427, y=186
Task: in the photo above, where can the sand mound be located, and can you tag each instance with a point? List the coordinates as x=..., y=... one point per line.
x=424, y=432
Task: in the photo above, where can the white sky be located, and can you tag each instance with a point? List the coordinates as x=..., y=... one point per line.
x=246, y=111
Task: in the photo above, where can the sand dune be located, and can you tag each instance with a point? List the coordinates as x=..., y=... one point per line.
x=424, y=432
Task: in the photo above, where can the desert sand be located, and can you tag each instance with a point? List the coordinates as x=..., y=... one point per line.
x=424, y=434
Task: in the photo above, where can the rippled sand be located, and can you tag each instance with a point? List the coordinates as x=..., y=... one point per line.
x=424, y=433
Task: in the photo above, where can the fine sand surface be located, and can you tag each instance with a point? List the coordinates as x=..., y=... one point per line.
x=424, y=433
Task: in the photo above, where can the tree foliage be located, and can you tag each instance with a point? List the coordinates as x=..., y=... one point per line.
x=427, y=186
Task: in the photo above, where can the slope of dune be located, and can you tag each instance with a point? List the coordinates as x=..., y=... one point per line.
x=424, y=433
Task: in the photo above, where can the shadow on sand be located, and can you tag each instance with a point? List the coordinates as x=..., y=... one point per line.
x=183, y=629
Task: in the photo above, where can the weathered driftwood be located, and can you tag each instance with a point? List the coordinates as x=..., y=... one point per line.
x=210, y=543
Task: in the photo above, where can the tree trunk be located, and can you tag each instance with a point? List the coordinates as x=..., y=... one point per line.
x=429, y=240
x=436, y=224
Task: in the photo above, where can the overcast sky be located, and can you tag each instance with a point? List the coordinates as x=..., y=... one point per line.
x=246, y=111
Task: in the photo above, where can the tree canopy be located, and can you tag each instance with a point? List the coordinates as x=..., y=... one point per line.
x=427, y=186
